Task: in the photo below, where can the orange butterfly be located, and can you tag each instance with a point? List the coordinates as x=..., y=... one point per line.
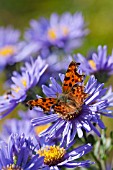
x=68, y=104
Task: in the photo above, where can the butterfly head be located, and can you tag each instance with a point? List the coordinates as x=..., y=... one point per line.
x=31, y=104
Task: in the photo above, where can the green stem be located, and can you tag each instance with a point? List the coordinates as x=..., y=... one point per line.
x=97, y=161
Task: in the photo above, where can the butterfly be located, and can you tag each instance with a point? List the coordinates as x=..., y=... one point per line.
x=69, y=103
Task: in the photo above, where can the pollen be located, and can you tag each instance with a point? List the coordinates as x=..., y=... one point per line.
x=92, y=64
x=24, y=82
x=65, y=30
x=17, y=89
x=12, y=167
x=7, y=51
x=52, y=34
x=52, y=154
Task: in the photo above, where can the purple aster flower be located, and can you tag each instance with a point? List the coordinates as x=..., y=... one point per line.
x=23, y=125
x=28, y=115
x=65, y=32
x=56, y=157
x=11, y=48
x=55, y=65
x=95, y=105
x=100, y=64
x=19, y=153
x=22, y=82
x=16, y=126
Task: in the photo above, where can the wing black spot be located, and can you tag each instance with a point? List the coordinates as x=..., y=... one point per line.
x=67, y=78
x=44, y=100
x=65, y=84
x=70, y=84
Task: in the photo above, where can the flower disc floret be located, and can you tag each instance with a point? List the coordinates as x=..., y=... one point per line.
x=12, y=167
x=52, y=154
x=7, y=51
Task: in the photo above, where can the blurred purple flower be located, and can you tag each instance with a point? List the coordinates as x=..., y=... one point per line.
x=94, y=106
x=19, y=153
x=23, y=124
x=65, y=32
x=11, y=48
x=29, y=77
x=55, y=65
x=16, y=126
x=100, y=64
x=28, y=115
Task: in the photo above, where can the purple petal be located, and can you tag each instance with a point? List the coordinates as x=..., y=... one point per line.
x=44, y=120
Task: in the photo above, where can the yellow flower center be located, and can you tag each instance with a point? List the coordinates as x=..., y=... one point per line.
x=12, y=167
x=52, y=34
x=17, y=89
x=65, y=30
x=52, y=154
x=92, y=64
x=24, y=82
x=7, y=51
x=39, y=129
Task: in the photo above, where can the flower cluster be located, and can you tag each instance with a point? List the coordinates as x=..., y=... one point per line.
x=29, y=77
x=19, y=153
x=55, y=129
x=65, y=32
x=13, y=50
x=98, y=64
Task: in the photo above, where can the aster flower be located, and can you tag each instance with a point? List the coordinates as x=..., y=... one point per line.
x=28, y=115
x=19, y=154
x=95, y=105
x=56, y=157
x=65, y=32
x=16, y=126
x=23, y=124
x=100, y=64
x=55, y=65
x=22, y=82
x=11, y=48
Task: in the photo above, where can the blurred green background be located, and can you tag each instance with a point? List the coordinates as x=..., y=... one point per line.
x=98, y=15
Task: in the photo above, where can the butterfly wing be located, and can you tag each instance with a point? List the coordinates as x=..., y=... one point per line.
x=71, y=108
x=67, y=111
x=44, y=103
x=77, y=95
x=71, y=77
